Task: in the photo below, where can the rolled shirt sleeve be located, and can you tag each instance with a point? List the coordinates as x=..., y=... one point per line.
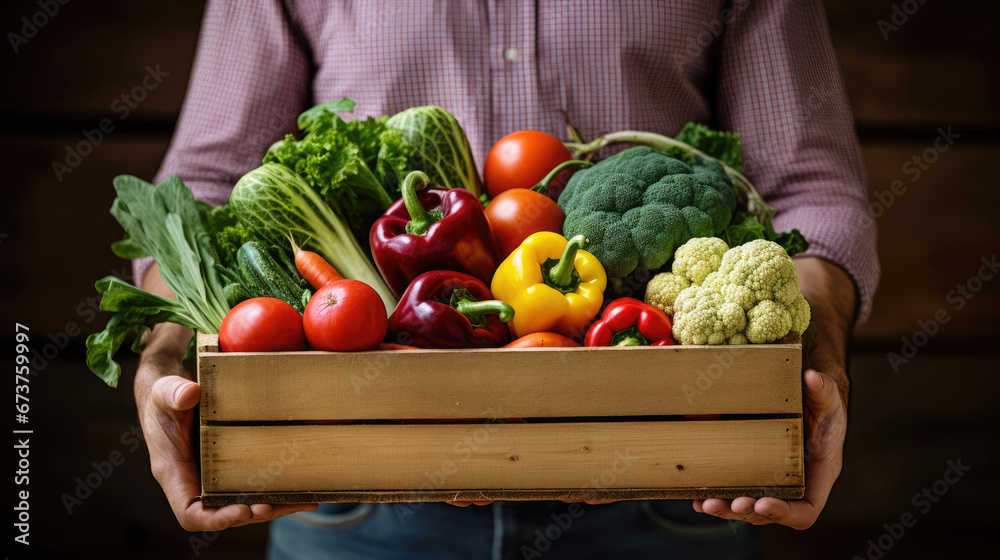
x=249, y=82
x=780, y=87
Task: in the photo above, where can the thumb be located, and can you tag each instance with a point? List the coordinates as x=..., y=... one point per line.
x=175, y=393
x=821, y=391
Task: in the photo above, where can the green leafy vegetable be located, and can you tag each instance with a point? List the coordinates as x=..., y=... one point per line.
x=336, y=159
x=310, y=117
x=724, y=146
x=430, y=140
x=793, y=242
x=166, y=222
x=745, y=227
x=135, y=311
x=275, y=203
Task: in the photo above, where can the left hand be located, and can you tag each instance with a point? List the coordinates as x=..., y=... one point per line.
x=826, y=428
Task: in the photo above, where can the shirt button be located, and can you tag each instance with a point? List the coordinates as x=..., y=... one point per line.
x=510, y=54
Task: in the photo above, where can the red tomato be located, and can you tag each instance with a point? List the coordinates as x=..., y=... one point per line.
x=262, y=324
x=345, y=316
x=543, y=340
x=394, y=346
x=518, y=213
x=521, y=159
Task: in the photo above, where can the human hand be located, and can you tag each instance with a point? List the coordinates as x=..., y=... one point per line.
x=826, y=428
x=832, y=295
x=166, y=398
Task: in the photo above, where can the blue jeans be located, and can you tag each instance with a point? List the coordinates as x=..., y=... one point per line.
x=510, y=531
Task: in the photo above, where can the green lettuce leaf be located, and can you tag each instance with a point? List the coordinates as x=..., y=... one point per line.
x=337, y=158
x=718, y=144
x=745, y=227
x=135, y=311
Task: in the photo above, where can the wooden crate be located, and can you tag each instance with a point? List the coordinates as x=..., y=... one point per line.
x=528, y=424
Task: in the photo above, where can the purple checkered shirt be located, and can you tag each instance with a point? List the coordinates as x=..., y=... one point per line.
x=763, y=68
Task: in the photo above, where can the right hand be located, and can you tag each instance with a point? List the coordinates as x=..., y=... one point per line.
x=165, y=398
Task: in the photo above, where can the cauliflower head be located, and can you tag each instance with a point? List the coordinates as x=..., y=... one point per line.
x=703, y=316
x=698, y=258
x=756, y=271
x=751, y=296
x=768, y=321
x=663, y=289
x=693, y=261
x=801, y=314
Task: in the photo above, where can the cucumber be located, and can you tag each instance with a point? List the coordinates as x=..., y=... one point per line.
x=264, y=277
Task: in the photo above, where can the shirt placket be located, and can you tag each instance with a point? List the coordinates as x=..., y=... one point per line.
x=513, y=66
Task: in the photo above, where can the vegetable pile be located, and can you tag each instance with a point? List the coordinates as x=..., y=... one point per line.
x=315, y=246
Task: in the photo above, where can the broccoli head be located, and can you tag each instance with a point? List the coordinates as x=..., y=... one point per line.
x=638, y=206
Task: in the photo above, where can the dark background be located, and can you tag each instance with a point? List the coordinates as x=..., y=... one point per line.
x=939, y=69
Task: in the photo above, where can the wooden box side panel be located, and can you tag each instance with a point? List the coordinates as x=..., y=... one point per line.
x=543, y=456
x=544, y=382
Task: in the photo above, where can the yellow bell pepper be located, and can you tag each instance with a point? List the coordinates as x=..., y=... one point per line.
x=552, y=284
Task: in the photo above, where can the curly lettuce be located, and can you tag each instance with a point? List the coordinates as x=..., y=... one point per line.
x=338, y=159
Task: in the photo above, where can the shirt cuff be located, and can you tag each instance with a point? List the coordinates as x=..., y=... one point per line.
x=845, y=235
x=139, y=268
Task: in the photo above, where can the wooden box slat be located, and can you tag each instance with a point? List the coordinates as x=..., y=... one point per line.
x=499, y=456
x=543, y=382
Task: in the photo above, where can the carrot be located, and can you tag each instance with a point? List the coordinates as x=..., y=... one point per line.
x=313, y=267
x=543, y=340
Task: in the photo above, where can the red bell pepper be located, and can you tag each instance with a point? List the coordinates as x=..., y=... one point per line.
x=630, y=322
x=437, y=229
x=445, y=309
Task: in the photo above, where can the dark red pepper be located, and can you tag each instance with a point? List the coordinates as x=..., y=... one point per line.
x=630, y=322
x=437, y=229
x=445, y=309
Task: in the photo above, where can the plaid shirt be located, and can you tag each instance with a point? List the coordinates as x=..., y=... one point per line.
x=764, y=68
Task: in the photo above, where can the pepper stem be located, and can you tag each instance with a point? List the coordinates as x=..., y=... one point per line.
x=543, y=185
x=629, y=337
x=629, y=341
x=485, y=307
x=420, y=219
x=561, y=275
x=463, y=302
